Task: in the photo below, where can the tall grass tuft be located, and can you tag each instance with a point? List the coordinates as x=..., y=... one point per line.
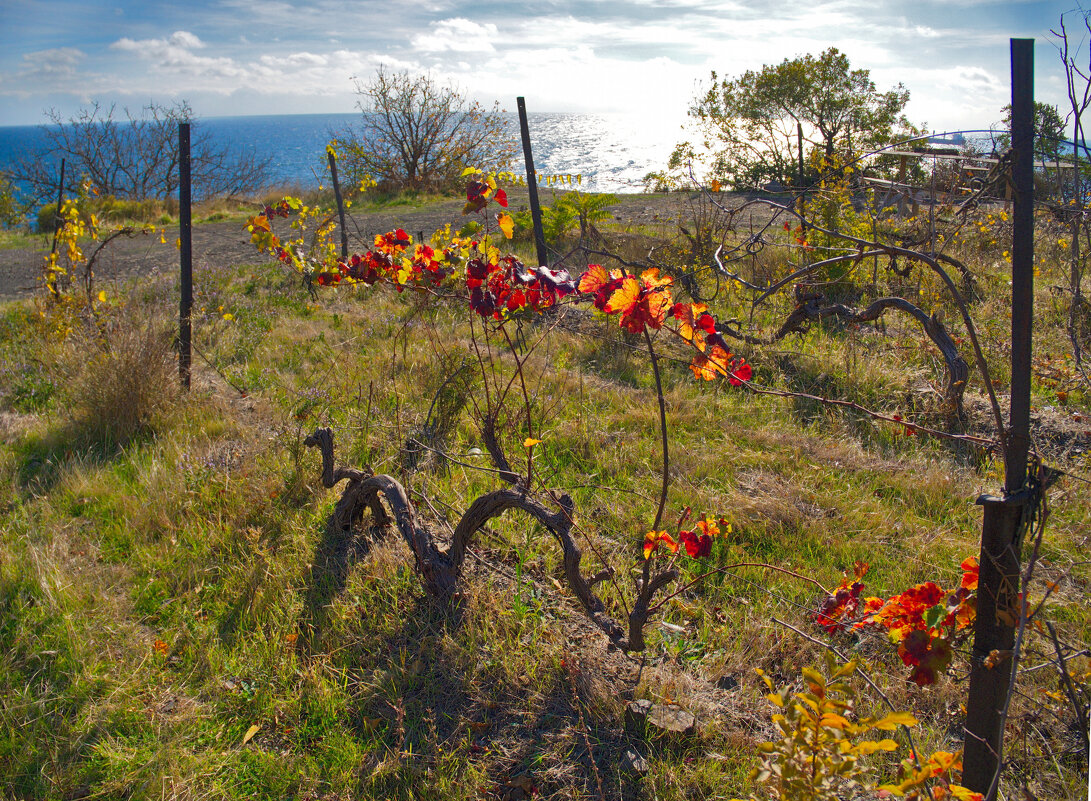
x=123, y=378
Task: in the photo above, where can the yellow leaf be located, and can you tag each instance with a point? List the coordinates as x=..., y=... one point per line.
x=963, y=794
x=250, y=733
x=507, y=224
x=846, y=669
x=894, y=720
x=831, y=720
x=102, y=296
x=229, y=316
x=871, y=746
x=178, y=243
x=469, y=171
x=530, y=443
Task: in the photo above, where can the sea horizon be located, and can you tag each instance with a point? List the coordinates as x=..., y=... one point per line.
x=610, y=151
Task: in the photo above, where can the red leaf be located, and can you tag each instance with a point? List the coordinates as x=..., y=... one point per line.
x=696, y=546
x=742, y=372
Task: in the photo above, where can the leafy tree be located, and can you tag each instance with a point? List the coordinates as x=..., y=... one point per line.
x=415, y=133
x=10, y=210
x=1049, y=130
x=135, y=157
x=749, y=125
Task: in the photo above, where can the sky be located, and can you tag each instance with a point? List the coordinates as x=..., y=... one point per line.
x=650, y=57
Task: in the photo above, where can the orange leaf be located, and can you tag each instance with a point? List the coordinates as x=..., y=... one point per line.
x=653, y=539
x=655, y=307
x=507, y=224
x=970, y=573
x=651, y=278
x=687, y=314
x=708, y=366
x=624, y=297
x=594, y=279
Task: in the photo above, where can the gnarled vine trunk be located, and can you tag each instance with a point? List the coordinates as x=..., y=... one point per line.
x=440, y=569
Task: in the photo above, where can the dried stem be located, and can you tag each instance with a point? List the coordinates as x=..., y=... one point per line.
x=662, y=430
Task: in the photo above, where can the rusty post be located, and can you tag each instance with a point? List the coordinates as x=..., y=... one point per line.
x=1005, y=517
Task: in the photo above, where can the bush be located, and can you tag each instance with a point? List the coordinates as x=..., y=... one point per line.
x=575, y=209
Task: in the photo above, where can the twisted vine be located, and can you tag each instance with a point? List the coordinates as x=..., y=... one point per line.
x=441, y=569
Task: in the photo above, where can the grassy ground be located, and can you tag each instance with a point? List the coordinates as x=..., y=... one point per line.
x=178, y=623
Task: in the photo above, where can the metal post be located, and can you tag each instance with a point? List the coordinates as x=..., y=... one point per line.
x=340, y=204
x=532, y=183
x=1022, y=260
x=185, y=235
x=1004, y=518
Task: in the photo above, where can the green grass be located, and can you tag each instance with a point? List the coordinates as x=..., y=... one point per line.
x=163, y=593
x=18, y=238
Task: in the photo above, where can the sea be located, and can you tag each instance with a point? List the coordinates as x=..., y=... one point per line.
x=609, y=152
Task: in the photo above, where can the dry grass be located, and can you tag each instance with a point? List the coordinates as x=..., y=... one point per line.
x=123, y=377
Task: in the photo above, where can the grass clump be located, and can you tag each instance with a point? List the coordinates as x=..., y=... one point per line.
x=122, y=378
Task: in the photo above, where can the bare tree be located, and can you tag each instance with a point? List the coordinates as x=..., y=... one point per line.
x=418, y=134
x=1078, y=79
x=136, y=157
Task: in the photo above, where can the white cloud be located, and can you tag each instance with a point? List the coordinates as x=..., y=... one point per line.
x=41, y=70
x=458, y=35
x=61, y=58
x=185, y=39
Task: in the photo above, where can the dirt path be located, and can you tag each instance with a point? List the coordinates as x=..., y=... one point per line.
x=225, y=244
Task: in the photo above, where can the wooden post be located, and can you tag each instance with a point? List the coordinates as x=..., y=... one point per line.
x=340, y=204
x=532, y=183
x=185, y=236
x=1005, y=517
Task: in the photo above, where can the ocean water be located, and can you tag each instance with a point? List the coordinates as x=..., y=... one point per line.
x=611, y=152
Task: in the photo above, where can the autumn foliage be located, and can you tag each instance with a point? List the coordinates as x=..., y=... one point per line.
x=499, y=286
x=924, y=621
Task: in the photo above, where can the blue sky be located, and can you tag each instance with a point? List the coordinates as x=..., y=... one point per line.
x=269, y=56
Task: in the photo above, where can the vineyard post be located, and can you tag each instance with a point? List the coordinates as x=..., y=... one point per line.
x=340, y=204
x=532, y=183
x=185, y=249
x=1005, y=516
x=57, y=215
